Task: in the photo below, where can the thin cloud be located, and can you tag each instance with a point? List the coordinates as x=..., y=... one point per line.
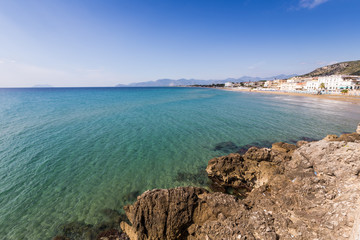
x=310, y=4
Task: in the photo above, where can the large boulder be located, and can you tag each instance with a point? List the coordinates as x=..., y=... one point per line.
x=162, y=213
x=194, y=214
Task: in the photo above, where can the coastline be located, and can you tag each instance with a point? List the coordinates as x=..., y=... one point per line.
x=302, y=191
x=337, y=97
x=307, y=190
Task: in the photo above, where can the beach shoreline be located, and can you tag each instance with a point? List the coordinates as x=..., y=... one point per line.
x=336, y=97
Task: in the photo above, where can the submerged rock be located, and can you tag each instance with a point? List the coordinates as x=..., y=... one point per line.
x=225, y=147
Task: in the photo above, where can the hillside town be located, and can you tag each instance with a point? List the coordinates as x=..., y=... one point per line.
x=332, y=84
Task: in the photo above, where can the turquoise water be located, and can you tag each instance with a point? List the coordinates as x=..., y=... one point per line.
x=67, y=154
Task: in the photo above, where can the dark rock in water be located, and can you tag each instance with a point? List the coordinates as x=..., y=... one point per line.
x=77, y=230
x=197, y=178
x=301, y=143
x=131, y=196
x=83, y=231
x=308, y=139
x=226, y=147
x=60, y=238
x=113, y=215
x=112, y=234
x=263, y=144
x=244, y=149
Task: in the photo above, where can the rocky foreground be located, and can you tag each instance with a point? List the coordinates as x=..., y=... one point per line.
x=310, y=190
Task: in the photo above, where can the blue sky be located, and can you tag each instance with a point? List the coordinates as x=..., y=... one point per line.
x=107, y=42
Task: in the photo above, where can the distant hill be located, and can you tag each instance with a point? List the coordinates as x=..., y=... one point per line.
x=187, y=82
x=343, y=68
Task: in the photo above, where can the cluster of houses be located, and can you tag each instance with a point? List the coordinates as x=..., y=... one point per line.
x=325, y=84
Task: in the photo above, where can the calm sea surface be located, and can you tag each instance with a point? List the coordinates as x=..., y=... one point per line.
x=67, y=154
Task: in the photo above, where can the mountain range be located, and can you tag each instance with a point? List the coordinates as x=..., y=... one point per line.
x=187, y=82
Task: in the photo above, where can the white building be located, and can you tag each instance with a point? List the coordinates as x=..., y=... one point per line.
x=228, y=84
x=312, y=85
x=336, y=83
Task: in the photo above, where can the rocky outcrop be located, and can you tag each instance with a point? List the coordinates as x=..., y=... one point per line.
x=162, y=213
x=308, y=191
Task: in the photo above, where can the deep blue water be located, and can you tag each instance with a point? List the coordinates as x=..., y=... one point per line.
x=67, y=154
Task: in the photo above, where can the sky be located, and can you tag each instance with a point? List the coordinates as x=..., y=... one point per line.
x=73, y=43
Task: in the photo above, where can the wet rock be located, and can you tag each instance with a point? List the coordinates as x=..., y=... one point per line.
x=113, y=215
x=131, y=196
x=227, y=147
x=112, y=234
x=78, y=230
x=197, y=178
x=308, y=139
x=263, y=144
x=60, y=238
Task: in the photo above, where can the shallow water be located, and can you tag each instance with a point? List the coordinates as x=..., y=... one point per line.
x=67, y=154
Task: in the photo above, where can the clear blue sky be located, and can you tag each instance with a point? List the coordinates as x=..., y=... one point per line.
x=106, y=42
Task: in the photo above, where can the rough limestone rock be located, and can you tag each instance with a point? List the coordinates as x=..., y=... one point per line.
x=157, y=215
x=310, y=192
x=301, y=143
x=283, y=147
x=358, y=129
x=258, y=154
x=162, y=213
x=331, y=137
x=239, y=175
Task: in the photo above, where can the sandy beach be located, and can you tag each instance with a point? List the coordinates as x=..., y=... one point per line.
x=337, y=97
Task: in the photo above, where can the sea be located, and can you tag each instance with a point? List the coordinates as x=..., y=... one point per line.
x=66, y=154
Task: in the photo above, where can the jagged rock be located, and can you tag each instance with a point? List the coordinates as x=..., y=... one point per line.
x=162, y=213
x=331, y=137
x=358, y=129
x=283, y=147
x=301, y=143
x=210, y=216
x=232, y=171
x=258, y=154
x=349, y=137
